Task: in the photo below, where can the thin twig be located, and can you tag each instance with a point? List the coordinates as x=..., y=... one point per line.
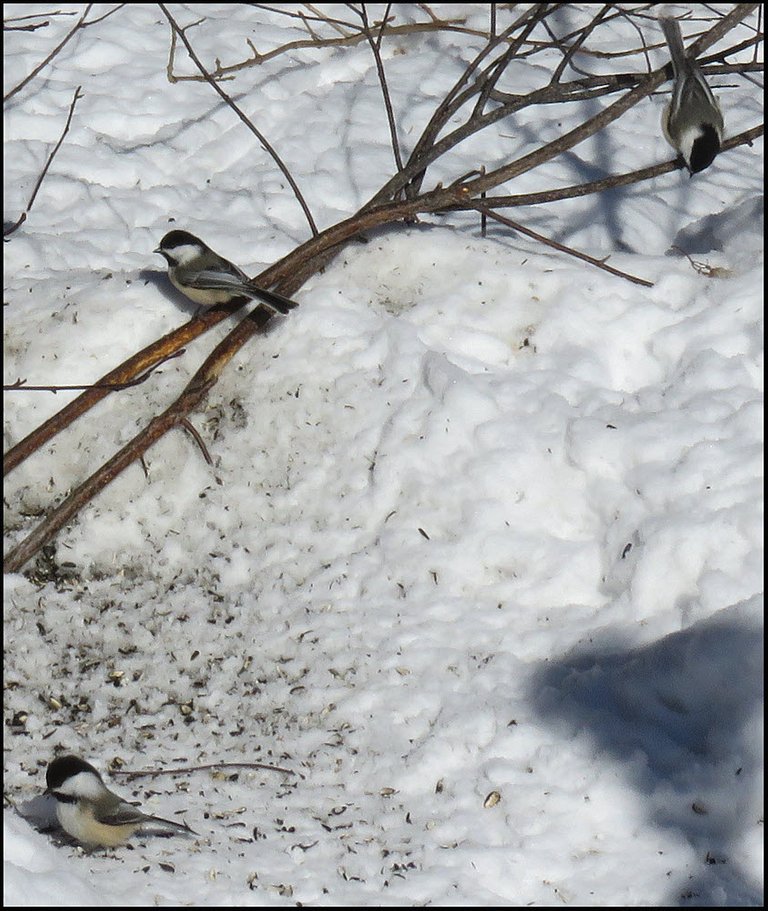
x=248, y=123
x=68, y=37
x=22, y=386
x=26, y=28
x=185, y=770
x=8, y=19
x=600, y=263
x=338, y=25
x=578, y=43
x=375, y=45
x=258, y=58
x=382, y=25
x=494, y=71
x=80, y=24
x=632, y=24
x=23, y=217
x=610, y=182
x=412, y=174
x=172, y=54
x=195, y=434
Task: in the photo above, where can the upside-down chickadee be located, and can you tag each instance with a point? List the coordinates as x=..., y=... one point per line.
x=207, y=278
x=91, y=813
x=692, y=121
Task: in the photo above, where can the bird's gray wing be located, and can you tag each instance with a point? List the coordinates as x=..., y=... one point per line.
x=117, y=812
x=120, y=813
x=217, y=280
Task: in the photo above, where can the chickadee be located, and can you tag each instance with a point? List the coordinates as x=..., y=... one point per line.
x=91, y=813
x=207, y=278
x=692, y=121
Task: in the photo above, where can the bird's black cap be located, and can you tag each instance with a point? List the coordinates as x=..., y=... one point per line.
x=65, y=767
x=178, y=239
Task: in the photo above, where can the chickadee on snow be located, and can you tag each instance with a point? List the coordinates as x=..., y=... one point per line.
x=91, y=813
x=207, y=278
x=692, y=121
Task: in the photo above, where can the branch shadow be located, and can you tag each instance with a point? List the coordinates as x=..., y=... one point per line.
x=682, y=716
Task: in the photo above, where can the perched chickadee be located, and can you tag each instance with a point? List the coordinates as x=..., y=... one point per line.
x=692, y=121
x=91, y=813
x=207, y=278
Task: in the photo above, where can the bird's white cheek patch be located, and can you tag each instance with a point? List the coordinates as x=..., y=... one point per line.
x=184, y=253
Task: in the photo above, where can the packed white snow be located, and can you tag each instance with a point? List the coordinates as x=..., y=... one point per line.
x=479, y=558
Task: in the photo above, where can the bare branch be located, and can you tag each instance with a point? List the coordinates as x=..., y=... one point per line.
x=22, y=386
x=450, y=104
x=25, y=28
x=357, y=36
x=375, y=45
x=248, y=123
x=185, y=770
x=600, y=263
x=610, y=182
x=81, y=24
x=579, y=42
x=195, y=434
x=23, y=217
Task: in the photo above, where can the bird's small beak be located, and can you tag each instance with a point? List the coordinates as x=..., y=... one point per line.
x=157, y=250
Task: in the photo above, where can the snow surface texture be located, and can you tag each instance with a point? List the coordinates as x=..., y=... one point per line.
x=479, y=558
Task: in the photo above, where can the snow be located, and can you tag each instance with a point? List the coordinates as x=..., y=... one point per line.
x=479, y=559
